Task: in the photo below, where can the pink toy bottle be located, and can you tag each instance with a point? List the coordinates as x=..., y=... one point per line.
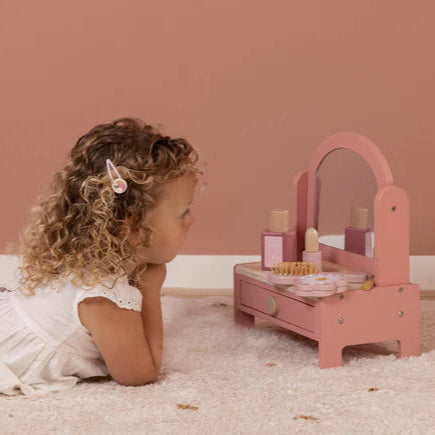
x=312, y=253
x=277, y=243
x=358, y=237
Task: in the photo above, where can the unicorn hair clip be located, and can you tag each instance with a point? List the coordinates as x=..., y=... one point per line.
x=119, y=185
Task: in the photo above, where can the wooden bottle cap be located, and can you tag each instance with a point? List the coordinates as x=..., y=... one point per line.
x=359, y=217
x=311, y=240
x=278, y=221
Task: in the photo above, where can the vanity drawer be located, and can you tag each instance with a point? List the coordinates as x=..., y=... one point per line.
x=284, y=308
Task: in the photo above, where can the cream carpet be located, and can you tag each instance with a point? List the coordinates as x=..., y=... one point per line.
x=220, y=379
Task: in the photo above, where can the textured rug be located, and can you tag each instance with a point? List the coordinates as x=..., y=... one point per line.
x=218, y=378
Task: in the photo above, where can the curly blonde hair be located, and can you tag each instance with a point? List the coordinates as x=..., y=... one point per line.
x=80, y=225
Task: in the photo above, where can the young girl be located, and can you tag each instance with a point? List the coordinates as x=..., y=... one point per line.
x=93, y=262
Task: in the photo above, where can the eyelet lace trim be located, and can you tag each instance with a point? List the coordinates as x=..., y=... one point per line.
x=124, y=296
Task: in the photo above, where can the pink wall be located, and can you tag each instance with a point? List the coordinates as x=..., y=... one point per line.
x=254, y=85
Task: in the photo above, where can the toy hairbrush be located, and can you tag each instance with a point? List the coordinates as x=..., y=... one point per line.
x=286, y=273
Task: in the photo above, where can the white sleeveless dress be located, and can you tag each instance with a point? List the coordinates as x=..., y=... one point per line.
x=43, y=345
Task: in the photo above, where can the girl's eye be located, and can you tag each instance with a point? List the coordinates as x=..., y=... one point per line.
x=186, y=213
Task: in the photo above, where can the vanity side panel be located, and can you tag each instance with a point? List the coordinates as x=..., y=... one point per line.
x=371, y=316
x=391, y=236
x=241, y=318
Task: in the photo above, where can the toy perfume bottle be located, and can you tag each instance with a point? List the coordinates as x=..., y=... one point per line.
x=278, y=244
x=358, y=237
x=312, y=254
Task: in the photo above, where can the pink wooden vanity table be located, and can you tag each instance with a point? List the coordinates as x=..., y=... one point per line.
x=389, y=311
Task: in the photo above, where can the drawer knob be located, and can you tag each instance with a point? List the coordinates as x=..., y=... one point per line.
x=272, y=306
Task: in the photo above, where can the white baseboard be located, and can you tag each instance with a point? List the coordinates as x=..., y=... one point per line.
x=215, y=272
x=204, y=271
x=422, y=268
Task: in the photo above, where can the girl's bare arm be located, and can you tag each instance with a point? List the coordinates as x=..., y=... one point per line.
x=152, y=311
x=130, y=342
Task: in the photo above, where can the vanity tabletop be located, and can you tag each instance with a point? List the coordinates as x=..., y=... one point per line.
x=254, y=271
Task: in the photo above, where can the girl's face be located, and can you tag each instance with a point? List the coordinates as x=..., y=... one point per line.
x=170, y=220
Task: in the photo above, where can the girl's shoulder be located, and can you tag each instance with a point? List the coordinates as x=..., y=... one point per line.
x=119, y=291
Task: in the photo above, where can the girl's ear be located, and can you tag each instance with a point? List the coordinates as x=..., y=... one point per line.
x=133, y=238
x=130, y=225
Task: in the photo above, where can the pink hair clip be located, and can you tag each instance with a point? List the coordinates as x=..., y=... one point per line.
x=119, y=185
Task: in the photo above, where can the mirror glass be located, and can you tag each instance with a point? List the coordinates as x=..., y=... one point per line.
x=345, y=182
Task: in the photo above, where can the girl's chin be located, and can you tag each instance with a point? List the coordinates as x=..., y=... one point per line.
x=169, y=259
x=161, y=260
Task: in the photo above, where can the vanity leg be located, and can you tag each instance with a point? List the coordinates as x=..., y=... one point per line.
x=244, y=319
x=409, y=347
x=329, y=355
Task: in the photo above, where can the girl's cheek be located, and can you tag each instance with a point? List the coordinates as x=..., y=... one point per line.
x=190, y=220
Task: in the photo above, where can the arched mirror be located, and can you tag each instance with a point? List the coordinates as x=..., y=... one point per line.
x=347, y=189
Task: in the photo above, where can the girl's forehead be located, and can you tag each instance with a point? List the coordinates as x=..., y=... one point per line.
x=186, y=182
x=181, y=189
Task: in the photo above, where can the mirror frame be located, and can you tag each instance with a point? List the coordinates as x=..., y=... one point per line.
x=390, y=263
x=320, y=182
